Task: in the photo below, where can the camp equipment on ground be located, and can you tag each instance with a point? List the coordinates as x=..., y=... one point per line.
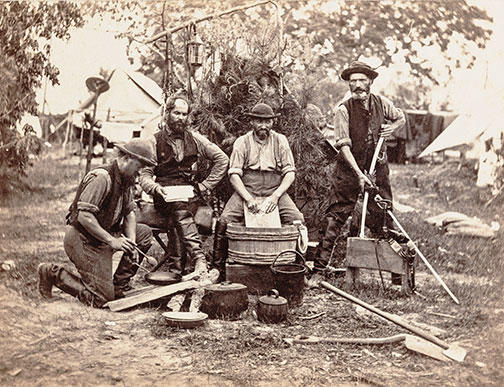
x=289, y=278
x=413, y=343
x=163, y=278
x=452, y=351
x=225, y=300
x=272, y=308
x=185, y=320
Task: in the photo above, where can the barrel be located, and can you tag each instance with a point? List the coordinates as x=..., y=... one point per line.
x=289, y=278
x=260, y=246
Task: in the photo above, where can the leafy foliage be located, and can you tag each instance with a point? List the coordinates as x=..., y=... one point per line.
x=320, y=37
x=25, y=32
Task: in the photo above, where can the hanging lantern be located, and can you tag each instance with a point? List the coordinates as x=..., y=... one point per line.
x=195, y=50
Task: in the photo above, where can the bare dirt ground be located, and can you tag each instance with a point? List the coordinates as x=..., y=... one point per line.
x=62, y=342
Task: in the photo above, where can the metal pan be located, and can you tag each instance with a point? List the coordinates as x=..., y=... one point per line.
x=185, y=320
x=163, y=278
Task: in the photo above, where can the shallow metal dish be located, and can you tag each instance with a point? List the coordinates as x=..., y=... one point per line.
x=163, y=278
x=185, y=320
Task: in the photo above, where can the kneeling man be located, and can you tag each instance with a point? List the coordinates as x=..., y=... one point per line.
x=103, y=208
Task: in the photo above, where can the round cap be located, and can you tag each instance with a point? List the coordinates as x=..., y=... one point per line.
x=358, y=67
x=262, y=110
x=139, y=149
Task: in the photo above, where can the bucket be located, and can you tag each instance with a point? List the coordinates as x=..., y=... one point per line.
x=260, y=246
x=289, y=278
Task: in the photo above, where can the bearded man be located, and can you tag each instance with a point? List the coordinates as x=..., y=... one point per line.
x=103, y=207
x=261, y=167
x=177, y=150
x=359, y=122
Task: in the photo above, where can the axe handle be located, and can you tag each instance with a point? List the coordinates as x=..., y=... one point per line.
x=366, y=194
x=391, y=317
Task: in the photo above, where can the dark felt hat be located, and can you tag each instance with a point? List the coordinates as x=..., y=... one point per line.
x=139, y=149
x=262, y=110
x=358, y=67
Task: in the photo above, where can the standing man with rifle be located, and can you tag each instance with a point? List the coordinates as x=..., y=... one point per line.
x=359, y=123
x=177, y=149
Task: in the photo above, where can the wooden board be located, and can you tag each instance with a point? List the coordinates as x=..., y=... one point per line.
x=361, y=253
x=257, y=278
x=150, y=295
x=261, y=219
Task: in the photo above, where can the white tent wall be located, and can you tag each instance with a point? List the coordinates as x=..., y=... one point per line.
x=480, y=122
x=131, y=99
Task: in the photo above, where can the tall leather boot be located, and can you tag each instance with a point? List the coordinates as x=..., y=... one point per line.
x=54, y=275
x=188, y=233
x=220, y=249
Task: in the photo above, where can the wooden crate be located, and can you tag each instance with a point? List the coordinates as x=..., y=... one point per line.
x=362, y=254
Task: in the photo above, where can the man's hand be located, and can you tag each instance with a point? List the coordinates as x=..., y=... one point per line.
x=269, y=204
x=253, y=205
x=364, y=181
x=386, y=130
x=124, y=244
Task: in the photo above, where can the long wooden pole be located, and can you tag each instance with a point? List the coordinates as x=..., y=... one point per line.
x=208, y=17
x=366, y=193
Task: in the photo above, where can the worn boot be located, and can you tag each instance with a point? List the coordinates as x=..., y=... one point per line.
x=190, y=238
x=54, y=275
x=123, y=274
x=47, y=277
x=220, y=249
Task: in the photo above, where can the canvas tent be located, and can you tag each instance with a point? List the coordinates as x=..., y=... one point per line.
x=473, y=127
x=131, y=99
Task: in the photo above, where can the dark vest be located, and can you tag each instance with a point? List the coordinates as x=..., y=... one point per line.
x=364, y=128
x=106, y=213
x=169, y=171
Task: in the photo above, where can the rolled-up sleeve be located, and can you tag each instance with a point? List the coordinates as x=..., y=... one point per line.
x=341, y=127
x=237, y=158
x=286, y=156
x=216, y=155
x=96, y=187
x=146, y=175
x=390, y=111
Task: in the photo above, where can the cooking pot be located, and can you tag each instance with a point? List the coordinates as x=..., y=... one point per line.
x=272, y=308
x=163, y=278
x=185, y=320
x=225, y=300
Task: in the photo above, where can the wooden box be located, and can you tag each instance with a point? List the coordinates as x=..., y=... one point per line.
x=374, y=254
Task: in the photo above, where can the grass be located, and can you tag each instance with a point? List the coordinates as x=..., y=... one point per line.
x=246, y=351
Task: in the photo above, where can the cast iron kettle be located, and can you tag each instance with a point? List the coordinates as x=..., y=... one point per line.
x=272, y=308
x=225, y=300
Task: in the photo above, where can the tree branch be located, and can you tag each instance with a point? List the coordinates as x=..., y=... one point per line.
x=208, y=17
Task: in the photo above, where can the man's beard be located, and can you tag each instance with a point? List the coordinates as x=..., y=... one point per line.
x=176, y=126
x=361, y=93
x=262, y=134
